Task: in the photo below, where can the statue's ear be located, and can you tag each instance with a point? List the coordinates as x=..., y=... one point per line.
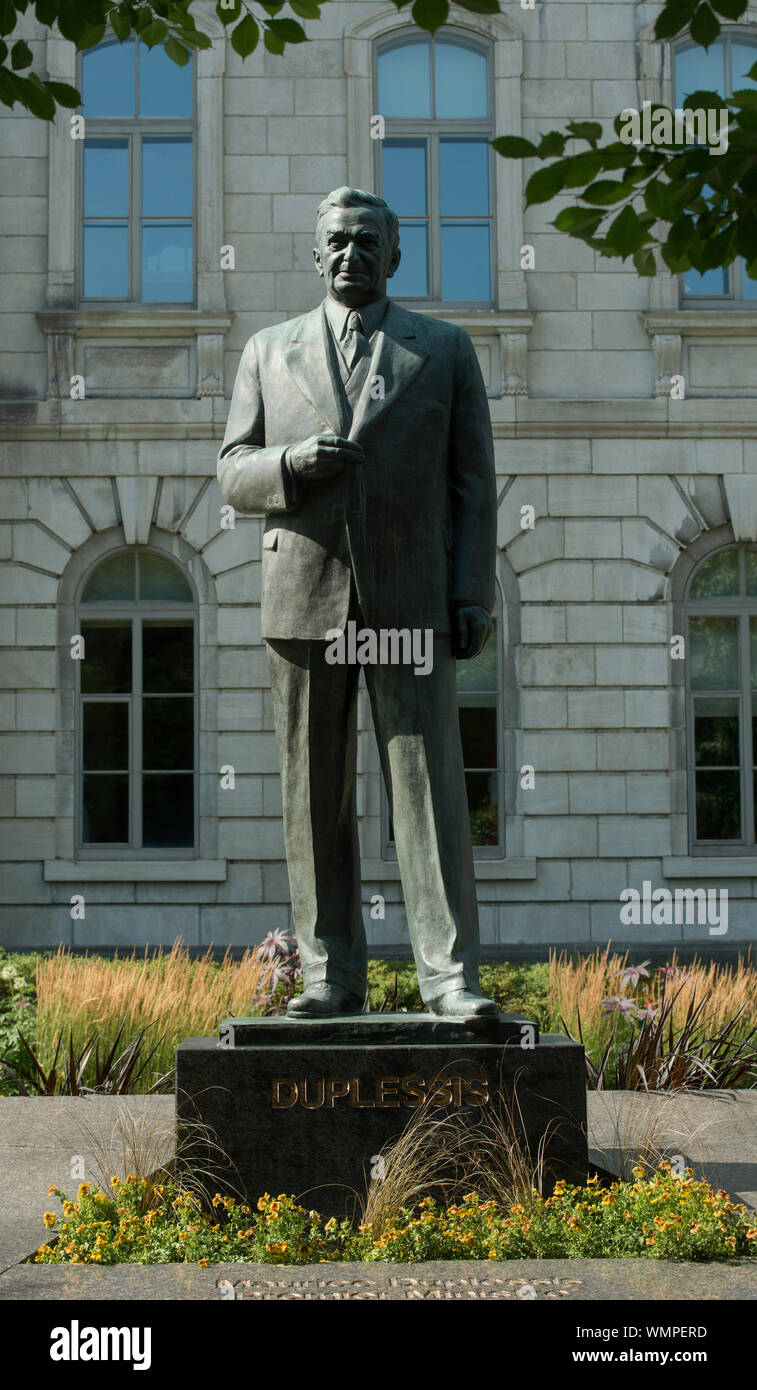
x=318, y=261
x=394, y=262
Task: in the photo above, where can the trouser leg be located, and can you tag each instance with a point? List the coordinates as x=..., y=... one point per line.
x=418, y=733
x=315, y=713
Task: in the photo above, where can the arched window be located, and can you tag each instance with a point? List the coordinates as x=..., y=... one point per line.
x=137, y=176
x=721, y=68
x=722, y=700
x=136, y=731
x=435, y=166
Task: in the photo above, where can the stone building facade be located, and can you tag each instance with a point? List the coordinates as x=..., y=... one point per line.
x=605, y=752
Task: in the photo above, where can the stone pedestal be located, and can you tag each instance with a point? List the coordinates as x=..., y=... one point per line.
x=305, y=1106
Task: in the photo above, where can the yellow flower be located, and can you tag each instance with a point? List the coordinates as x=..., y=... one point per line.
x=51, y=1189
x=49, y=1218
x=203, y=1264
x=83, y=1189
x=492, y=1254
x=115, y=1181
x=331, y=1225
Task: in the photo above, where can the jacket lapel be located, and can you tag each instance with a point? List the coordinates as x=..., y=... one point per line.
x=307, y=361
x=398, y=356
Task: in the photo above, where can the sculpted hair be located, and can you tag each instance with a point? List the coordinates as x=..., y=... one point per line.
x=357, y=198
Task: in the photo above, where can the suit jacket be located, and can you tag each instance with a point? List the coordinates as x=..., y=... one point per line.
x=414, y=524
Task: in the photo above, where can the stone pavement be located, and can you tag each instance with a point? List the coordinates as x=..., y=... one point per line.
x=45, y=1140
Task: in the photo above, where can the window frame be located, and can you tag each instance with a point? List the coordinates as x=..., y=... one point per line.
x=134, y=130
x=432, y=130
x=742, y=607
x=480, y=852
x=732, y=299
x=134, y=611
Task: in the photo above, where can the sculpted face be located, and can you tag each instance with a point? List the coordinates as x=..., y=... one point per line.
x=354, y=256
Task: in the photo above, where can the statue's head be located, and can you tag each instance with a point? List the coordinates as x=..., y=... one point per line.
x=357, y=245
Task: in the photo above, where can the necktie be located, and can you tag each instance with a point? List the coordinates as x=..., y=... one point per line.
x=356, y=344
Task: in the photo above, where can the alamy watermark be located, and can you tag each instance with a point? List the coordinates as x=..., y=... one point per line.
x=389, y=646
x=664, y=907
x=658, y=125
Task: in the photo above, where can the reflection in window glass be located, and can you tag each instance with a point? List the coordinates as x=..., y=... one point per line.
x=112, y=580
x=165, y=89
x=411, y=277
x=166, y=178
x=160, y=579
x=106, y=178
x=717, y=577
x=106, y=261
x=404, y=176
x=743, y=57
x=167, y=264
x=404, y=82
x=167, y=657
x=108, y=80
x=700, y=70
x=106, y=666
x=464, y=178
x=460, y=79
x=750, y=566
x=466, y=270
x=714, y=653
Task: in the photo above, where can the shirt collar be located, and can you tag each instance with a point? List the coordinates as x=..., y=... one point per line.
x=371, y=314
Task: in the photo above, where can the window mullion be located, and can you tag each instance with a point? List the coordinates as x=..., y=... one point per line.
x=747, y=749
x=135, y=220
x=434, y=220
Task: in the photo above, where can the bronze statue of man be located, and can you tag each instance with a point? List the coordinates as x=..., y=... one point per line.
x=362, y=431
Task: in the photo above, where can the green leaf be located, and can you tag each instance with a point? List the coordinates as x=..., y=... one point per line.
x=644, y=261
x=63, y=94
x=480, y=6
x=552, y=143
x=21, y=55
x=244, y=39
x=580, y=168
x=674, y=17
x=154, y=33
x=578, y=221
x=306, y=9
x=35, y=98
x=229, y=13
x=513, y=147
x=120, y=25
x=430, y=14
x=659, y=199
x=705, y=26
x=730, y=9
x=604, y=192
x=625, y=234
x=272, y=7
x=745, y=96
x=7, y=17
x=585, y=130
x=177, y=52
x=545, y=184
x=274, y=43
x=289, y=30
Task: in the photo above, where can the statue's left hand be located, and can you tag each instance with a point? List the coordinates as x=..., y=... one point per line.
x=472, y=628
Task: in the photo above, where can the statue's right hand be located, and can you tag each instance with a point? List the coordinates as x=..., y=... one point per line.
x=323, y=454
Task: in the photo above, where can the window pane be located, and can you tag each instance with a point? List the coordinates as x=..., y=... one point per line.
x=411, y=279
x=711, y=282
x=478, y=731
x=466, y=272
x=482, y=807
x=159, y=579
x=748, y=287
x=167, y=660
x=105, y=728
x=165, y=89
x=464, y=178
x=108, y=80
x=106, y=262
x=716, y=733
x=460, y=77
x=481, y=672
x=403, y=176
x=166, y=177
x=106, y=178
x=700, y=70
x=714, y=653
x=750, y=565
x=167, y=264
x=753, y=650
x=718, y=806
x=743, y=57
x=404, y=81
x=718, y=577
x=113, y=579
x=106, y=666
x=167, y=732
x=105, y=810
x=168, y=811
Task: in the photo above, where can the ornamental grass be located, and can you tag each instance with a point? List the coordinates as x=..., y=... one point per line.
x=662, y=1217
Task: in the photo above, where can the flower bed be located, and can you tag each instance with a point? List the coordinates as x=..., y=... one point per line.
x=662, y=1217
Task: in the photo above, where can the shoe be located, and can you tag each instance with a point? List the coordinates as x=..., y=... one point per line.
x=324, y=1000
x=462, y=1003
